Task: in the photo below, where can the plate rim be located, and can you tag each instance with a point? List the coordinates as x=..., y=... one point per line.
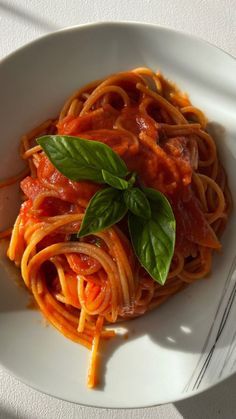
x=110, y=407
x=107, y=24
x=94, y=25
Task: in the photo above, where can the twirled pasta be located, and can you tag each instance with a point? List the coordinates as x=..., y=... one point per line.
x=80, y=286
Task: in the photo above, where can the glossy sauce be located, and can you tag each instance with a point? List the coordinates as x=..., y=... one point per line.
x=168, y=168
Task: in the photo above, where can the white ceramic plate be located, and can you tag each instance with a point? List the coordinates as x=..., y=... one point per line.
x=189, y=343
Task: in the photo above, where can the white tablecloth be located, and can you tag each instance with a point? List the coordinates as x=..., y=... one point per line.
x=24, y=20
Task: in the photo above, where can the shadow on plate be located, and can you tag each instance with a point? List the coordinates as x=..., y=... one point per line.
x=176, y=324
x=13, y=293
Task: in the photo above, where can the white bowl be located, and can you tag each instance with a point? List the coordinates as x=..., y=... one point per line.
x=189, y=343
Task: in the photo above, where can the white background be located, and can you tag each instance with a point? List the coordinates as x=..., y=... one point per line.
x=24, y=20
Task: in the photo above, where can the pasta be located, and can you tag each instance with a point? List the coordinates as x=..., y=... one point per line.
x=82, y=285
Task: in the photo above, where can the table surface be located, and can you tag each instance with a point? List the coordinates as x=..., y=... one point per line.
x=24, y=20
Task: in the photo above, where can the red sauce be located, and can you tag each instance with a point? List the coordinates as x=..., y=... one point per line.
x=191, y=225
x=134, y=121
x=79, y=263
x=31, y=187
x=100, y=119
x=50, y=178
x=168, y=170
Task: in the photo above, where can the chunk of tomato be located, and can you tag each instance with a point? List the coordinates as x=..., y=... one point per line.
x=191, y=224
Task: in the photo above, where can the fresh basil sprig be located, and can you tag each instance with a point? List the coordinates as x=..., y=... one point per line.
x=154, y=239
x=150, y=217
x=105, y=208
x=137, y=202
x=114, y=181
x=80, y=159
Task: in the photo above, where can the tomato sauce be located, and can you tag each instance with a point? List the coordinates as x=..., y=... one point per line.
x=167, y=168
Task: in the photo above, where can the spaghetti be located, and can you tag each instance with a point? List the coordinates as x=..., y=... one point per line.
x=82, y=285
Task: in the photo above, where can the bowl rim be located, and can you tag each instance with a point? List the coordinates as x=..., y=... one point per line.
x=94, y=26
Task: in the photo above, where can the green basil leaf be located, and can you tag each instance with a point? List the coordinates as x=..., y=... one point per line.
x=80, y=159
x=106, y=208
x=114, y=181
x=132, y=179
x=137, y=202
x=154, y=239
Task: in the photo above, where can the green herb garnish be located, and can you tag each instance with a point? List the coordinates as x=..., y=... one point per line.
x=150, y=216
x=80, y=159
x=105, y=208
x=153, y=239
x=137, y=202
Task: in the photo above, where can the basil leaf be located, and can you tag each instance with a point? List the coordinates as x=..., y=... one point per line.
x=80, y=159
x=106, y=208
x=137, y=202
x=114, y=181
x=132, y=179
x=154, y=239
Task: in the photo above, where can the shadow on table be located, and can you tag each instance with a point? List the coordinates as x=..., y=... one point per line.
x=218, y=402
x=7, y=414
x=24, y=15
